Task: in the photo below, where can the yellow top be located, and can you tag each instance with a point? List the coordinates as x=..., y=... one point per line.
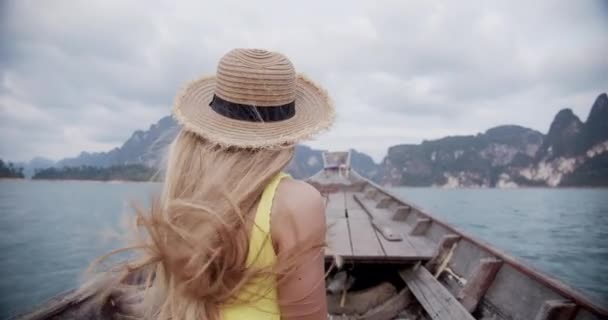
x=261, y=254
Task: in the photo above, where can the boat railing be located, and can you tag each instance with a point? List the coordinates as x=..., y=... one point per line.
x=561, y=288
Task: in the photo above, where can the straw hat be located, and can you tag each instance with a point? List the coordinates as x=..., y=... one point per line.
x=255, y=100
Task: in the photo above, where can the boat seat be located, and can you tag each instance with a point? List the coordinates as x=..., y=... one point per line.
x=436, y=300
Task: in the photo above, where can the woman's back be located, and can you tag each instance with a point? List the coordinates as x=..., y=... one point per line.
x=231, y=237
x=294, y=213
x=260, y=298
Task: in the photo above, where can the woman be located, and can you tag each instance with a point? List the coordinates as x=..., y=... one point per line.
x=232, y=237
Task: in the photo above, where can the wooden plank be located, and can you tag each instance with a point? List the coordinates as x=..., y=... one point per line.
x=479, y=282
x=422, y=224
x=386, y=231
x=370, y=194
x=384, y=202
x=363, y=238
x=370, y=207
x=413, y=216
x=393, y=205
x=338, y=238
x=414, y=247
x=402, y=250
x=556, y=310
x=530, y=297
x=408, y=249
x=335, y=206
x=357, y=214
x=335, y=214
x=336, y=200
x=442, y=251
x=390, y=308
x=54, y=308
x=350, y=201
x=401, y=213
x=360, y=301
x=424, y=246
x=436, y=300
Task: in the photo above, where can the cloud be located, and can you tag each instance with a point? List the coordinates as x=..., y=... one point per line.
x=84, y=75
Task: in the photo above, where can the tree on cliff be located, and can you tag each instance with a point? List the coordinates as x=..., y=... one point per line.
x=8, y=170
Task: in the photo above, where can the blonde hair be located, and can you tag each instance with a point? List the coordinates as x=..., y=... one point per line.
x=194, y=238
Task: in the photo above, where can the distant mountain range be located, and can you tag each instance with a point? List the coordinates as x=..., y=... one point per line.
x=148, y=148
x=572, y=153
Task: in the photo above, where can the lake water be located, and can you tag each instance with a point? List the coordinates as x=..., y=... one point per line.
x=50, y=231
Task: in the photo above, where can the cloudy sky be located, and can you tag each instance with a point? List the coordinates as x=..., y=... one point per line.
x=83, y=75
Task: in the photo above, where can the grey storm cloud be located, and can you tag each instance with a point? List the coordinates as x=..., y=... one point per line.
x=83, y=75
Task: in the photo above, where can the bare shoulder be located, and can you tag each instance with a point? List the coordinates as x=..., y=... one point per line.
x=297, y=195
x=298, y=212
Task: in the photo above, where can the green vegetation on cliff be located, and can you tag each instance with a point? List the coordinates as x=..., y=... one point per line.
x=131, y=172
x=8, y=170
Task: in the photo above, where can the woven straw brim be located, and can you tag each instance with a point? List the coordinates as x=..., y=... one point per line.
x=314, y=113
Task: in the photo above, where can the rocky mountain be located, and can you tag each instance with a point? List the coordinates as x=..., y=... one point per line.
x=568, y=136
x=573, y=153
x=595, y=130
x=148, y=148
x=462, y=160
x=365, y=165
x=143, y=147
x=562, y=138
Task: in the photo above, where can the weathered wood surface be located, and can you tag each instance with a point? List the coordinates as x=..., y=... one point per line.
x=338, y=237
x=506, y=293
x=81, y=303
x=356, y=227
x=364, y=239
x=401, y=213
x=441, y=252
x=370, y=206
x=357, y=213
x=335, y=206
x=409, y=248
x=390, y=308
x=401, y=249
x=436, y=300
x=387, y=231
x=479, y=282
x=421, y=226
x=424, y=247
x=359, y=302
x=384, y=202
x=55, y=307
x=556, y=310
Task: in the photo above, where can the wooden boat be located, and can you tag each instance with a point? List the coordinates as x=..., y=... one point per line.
x=396, y=261
x=431, y=269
